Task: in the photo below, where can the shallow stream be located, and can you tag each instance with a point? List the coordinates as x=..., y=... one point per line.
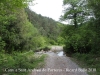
x=60, y=53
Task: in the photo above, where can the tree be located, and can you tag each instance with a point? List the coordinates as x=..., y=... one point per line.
x=47, y=27
x=94, y=6
x=75, y=10
x=15, y=30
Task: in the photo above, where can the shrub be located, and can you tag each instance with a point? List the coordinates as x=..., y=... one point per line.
x=19, y=61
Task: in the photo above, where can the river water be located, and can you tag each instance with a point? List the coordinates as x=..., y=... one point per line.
x=61, y=53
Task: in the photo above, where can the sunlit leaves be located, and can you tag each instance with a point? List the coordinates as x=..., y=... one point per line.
x=71, y=2
x=15, y=29
x=7, y=6
x=76, y=11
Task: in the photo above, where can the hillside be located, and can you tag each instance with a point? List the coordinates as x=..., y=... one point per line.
x=46, y=26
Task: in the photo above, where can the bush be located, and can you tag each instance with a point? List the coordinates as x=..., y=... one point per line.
x=88, y=61
x=80, y=40
x=19, y=61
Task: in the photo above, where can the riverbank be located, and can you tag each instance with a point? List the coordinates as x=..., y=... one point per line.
x=59, y=65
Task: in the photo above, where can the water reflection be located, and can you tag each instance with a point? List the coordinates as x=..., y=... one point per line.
x=60, y=53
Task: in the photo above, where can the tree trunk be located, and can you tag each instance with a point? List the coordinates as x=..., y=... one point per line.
x=75, y=20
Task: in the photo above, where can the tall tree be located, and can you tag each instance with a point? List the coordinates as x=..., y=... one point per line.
x=75, y=10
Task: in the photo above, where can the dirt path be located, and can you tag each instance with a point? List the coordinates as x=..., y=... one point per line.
x=59, y=65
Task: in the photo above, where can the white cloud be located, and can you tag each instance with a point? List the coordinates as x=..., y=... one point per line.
x=49, y=8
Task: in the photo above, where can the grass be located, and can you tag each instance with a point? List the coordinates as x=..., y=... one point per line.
x=20, y=63
x=88, y=61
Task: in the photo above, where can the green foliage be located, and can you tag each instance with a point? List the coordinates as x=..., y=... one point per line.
x=39, y=41
x=60, y=40
x=47, y=27
x=87, y=61
x=19, y=61
x=83, y=42
x=85, y=38
x=76, y=11
x=20, y=32
x=12, y=5
x=79, y=40
x=15, y=30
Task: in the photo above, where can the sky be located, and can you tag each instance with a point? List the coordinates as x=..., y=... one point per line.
x=48, y=8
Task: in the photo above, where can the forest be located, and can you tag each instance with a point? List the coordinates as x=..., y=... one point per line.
x=47, y=27
x=22, y=32
x=82, y=38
